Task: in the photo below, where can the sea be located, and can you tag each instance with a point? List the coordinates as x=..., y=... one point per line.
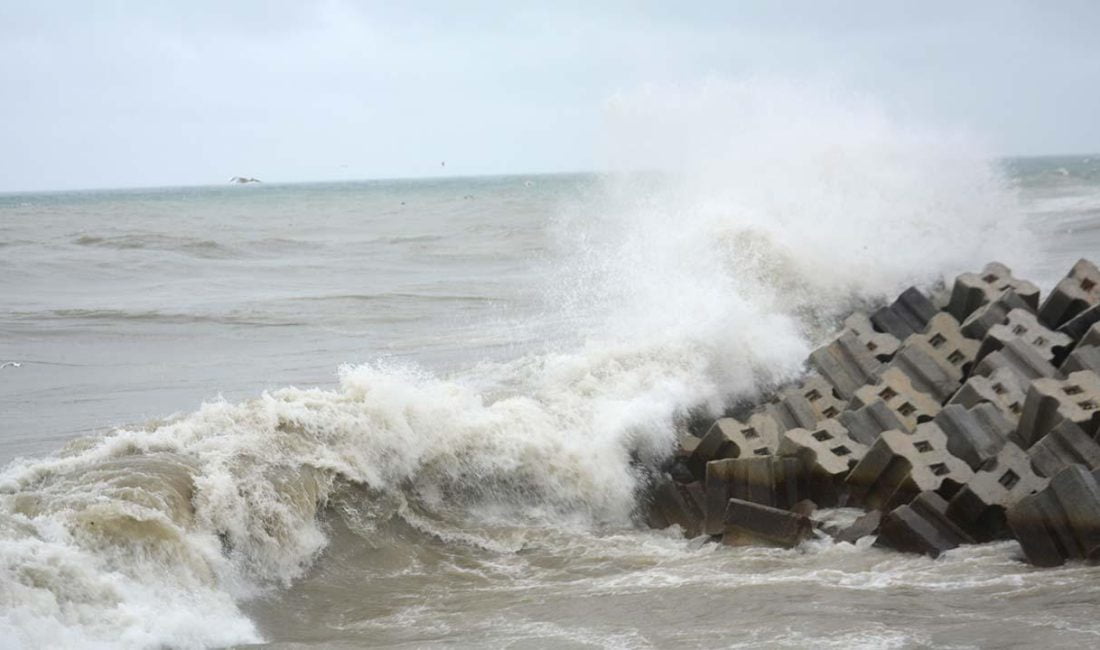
x=420, y=413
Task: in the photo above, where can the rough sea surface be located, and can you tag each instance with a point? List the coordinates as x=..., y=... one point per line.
x=411, y=413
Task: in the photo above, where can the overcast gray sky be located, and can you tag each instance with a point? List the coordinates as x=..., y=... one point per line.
x=117, y=94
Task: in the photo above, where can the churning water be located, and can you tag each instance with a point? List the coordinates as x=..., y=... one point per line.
x=425, y=404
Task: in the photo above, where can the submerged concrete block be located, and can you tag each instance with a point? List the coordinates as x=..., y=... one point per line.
x=867, y=524
x=1049, y=401
x=979, y=507
x=767, y=480
x=846, y=365
x=900, y=465
x=676, y=503
x=975, y=435
x=897, y=391
x=1066, y=444
x=748, y=523
x=921, y=526
x=827, y=454
x=1019, y=358
x=973, y=290
x=1061, y=522
x=1075, y=293
x=881, y=345
x=805, y=507
x=865, y=423
x=1022, y=324
x=907, y=315
x=1001, y=389
x=978, y=324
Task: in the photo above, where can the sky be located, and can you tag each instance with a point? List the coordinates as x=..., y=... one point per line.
x=128, y=94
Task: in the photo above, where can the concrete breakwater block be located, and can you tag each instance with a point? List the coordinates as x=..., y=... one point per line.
x=1075, y=293
x=827, y=454
x=1022, y=324
x=867, y=422
x=978, y=324
x=1083, y=357
x=806, y=404
x=672, y=503
x=945, y=342
x=731, y=438
x=1084, y=327
x=975, y=435
x=1049, y=401
x=901, y=465
x=747, y=523
x=867, y=524
x=897, y=392
x=979, y=507
x=922, y=526
x=846, y=364
x=1065, y=445
x=1021, y=359
x=881, y=345
x=926, y=373
x=1001, y=389
x=771, y=481
x=1061, y=522
x=973, y=290
x=907, y=315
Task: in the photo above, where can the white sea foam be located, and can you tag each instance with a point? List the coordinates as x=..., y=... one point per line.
x=778, y=207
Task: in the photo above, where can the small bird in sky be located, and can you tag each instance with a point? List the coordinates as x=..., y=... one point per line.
x=13, y=364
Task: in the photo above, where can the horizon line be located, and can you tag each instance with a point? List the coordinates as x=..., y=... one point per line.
x=385, y=179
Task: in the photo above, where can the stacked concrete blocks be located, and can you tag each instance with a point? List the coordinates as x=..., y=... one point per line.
x=974, y=423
